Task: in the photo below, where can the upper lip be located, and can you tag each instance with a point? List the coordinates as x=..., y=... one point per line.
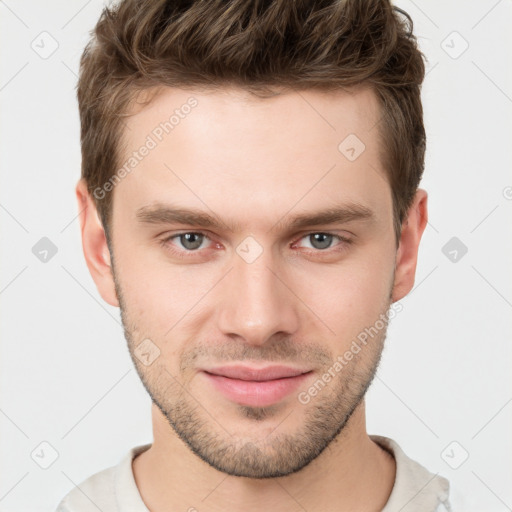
x=241, y=372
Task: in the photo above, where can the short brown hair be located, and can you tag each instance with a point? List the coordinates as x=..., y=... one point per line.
x=261, y=46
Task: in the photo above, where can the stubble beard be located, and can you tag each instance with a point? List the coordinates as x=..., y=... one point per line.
x=277, y=454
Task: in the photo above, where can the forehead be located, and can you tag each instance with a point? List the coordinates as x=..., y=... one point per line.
x=229, y=149
x=356, y=109
x=232, y=115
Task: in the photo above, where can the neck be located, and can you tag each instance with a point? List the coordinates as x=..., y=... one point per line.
x=353, y=473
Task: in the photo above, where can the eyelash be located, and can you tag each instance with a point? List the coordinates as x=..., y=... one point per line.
x=187, y=253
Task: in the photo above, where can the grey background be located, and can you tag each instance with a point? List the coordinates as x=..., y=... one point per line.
x=443, y=390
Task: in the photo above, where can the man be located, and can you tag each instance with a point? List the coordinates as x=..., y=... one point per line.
x=249, y=199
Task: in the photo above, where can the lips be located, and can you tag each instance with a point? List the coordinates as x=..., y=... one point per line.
x=256, y=387
x=255, y=374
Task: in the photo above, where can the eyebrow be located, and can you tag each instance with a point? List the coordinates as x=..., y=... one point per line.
x=166, y=214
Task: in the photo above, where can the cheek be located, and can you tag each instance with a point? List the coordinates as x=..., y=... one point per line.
x=162, y=299
x=348, y=297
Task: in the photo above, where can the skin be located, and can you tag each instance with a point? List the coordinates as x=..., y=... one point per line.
x=256, y=162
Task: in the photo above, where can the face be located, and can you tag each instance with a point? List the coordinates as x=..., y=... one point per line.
x=250, y=250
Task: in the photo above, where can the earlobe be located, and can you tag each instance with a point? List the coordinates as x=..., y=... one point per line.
x=407, y=255
x=94, y=245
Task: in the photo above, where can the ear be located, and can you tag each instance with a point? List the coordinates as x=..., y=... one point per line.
x=94, y=244
x=407, y=255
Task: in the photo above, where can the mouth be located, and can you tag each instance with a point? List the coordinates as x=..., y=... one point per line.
x=256, y=387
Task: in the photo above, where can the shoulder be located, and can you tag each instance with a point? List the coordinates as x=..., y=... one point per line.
x=96, y=492
x=415, y=489
x=100, y=491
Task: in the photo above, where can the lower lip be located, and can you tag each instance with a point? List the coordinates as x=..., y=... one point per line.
x=256, y=393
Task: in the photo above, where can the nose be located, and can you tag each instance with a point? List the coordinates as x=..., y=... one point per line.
x=257, y=302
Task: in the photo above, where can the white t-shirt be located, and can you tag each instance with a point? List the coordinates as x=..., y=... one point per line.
x=114, y=489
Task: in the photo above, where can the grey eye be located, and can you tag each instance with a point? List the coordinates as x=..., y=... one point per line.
x=321, y=240
x=191, y=241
